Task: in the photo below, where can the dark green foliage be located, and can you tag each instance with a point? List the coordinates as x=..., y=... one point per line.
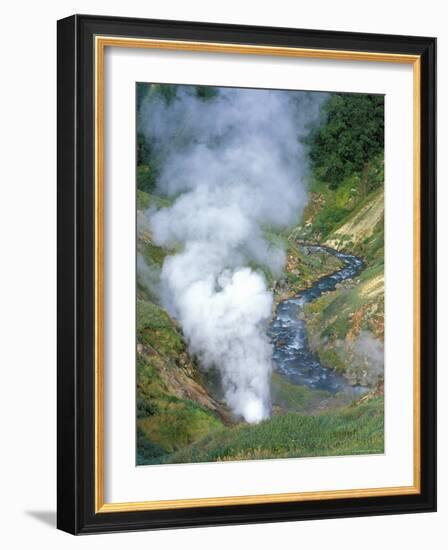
x=352, y=135
x=144, y=407
x=146, y=178
x=206, y=92
x=142, y=149
x=147, y=161
x=373, y=174
x=167, y=91
x=147, y=451
x=147, y=165
x=142, y=90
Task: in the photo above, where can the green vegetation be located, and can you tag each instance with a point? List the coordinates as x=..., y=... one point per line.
x=340, y=312
x=180, y=417
x=146, y=177
x=155, y=328
x=150, y=255
x=168, y=416
x=178, y=423
x=173, y=408
x=358, y=429
x=336, y=319
x=351, y=137
x=294, y=398
x=346, y=212
x=147, y=200
x=148, y=159
x=329, y=208
x=302, y=268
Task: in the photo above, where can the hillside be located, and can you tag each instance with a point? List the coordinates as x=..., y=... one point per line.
x=173, y=406
x=351, y=430
x=360, y=225
x=178, y=404
x=179, y=407
x=181, y=412
x=346, y=327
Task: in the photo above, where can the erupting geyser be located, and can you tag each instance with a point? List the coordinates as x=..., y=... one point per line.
x=235, y=166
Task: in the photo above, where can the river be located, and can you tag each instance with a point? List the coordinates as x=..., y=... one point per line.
x=288, y=332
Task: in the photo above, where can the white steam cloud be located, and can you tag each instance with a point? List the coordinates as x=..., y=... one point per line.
x=235, y=165
x=368, y=358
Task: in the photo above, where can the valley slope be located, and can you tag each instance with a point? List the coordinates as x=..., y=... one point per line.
x=181, y=414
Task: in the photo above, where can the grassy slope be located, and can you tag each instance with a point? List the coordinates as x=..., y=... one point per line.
x=176, y=411
x=173, y=406
x=352, y=430
x=178, y=417
x=345, y=220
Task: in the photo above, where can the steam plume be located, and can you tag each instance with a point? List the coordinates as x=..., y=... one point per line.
x=235, y=166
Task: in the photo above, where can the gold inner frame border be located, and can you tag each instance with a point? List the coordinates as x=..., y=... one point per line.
x=100, y=44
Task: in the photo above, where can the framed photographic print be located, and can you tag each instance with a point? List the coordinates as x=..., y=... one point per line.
x=246, y=274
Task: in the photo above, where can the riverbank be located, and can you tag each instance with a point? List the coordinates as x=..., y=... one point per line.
x=288, y=332
x=181, y=415
x=346, y=325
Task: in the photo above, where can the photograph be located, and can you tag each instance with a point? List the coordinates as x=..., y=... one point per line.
x=259, y=274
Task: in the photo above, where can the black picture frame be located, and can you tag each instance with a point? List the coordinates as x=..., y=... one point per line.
x=76, y=255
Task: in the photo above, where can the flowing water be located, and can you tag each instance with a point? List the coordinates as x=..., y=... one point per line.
x=288, y=333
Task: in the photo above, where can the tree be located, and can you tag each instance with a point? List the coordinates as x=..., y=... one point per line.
x=352, y=134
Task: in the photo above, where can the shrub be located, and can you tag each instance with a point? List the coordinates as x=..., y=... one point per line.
x=352, y=135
